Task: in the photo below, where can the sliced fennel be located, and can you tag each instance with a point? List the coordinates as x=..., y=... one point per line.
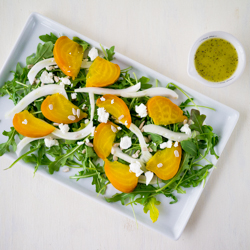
x=159, y=91
x=74, y=135
x=103, y=91
x=35, y=94
x=26, y=140
x=118, y=152
x=39, y=66
x=171, y=135
x=145, y=155
x=85, y=64
x=155, y=180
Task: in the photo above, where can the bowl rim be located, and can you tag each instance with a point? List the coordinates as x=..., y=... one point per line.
x=192, y=72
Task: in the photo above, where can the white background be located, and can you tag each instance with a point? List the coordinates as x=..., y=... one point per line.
x=37, y=213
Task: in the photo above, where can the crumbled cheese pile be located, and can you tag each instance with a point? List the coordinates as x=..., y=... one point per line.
x=149, y=175
x=141, y=110
x=186, y=129
x=64, y=128
x=125, y=142
x=65, y=81
x=167, y=144
x=93, y=53
x=135, y=167
x=46, y=77
x=103, y=116
x=49, y=142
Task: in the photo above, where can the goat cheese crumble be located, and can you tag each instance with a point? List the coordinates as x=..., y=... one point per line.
x=186, y=129
x=93, y=53
x=141, y=110
x=46, y=77
x=49, y=142
x=125, y=142
x=149, y=175
x=73, y=95
x=103, y=116
x=135, y=167
x=64, y=128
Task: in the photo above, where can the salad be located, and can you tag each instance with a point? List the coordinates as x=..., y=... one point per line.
x=75, y=108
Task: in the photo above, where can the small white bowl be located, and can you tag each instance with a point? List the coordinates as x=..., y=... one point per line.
x=241, y=59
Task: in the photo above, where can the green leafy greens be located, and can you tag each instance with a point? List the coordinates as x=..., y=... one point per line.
x=69, y=153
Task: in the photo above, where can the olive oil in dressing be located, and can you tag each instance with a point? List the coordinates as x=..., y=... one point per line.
x=216, y=60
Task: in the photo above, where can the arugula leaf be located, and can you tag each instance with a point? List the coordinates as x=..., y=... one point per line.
x=198, y=120
x=49, y=38
x=144, y=82
x=155, y=138
x=44, y=51
x=84, y=44
x=189, y=147
x=61, y=160
x=110, y=53
x=4, y=147
x=150, y=206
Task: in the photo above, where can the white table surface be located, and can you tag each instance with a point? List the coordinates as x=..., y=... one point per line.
x=37, y=213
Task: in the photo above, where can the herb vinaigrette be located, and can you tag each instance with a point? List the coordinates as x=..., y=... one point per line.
x=216, y=60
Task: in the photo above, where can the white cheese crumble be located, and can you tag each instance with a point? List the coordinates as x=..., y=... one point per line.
x=176, y=144
x=46, y=77
x=24, y=121
x=135, y=167
x=80, y=143
x=149, y=175
x=102, y=99
x=103, y=116
x=113, y=128
x=83, y=106
x=176, y=153
x=87, y=140
x=65, y=81
x=141, y=110
x=186, y=129
x=159, y=165
x=86, y=121
x=125, y=142
x=51, y=106
x=71, y=117
x=119, y=128
x=112, y=101
x=73, y=95
x=93, y=53
x=167, y=144
x=49, y=142
x=126, y=123
x=64, y=128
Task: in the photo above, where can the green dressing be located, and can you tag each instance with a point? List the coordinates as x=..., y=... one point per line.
x=216, y=60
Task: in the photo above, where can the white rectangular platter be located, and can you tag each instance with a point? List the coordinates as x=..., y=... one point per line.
x=173, y=218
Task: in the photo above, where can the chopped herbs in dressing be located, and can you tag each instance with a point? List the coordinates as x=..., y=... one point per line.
x=216, y=60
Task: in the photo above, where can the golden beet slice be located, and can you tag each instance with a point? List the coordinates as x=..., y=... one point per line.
x=28, y=125
x=165, y=163
x=57, y=108
x=116, y=107
x=120, y=176
x=163, y=111
x=104, y=138
x=68, y=56
x=102, y=73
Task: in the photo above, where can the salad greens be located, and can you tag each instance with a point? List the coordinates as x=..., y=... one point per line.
x=69, y=153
